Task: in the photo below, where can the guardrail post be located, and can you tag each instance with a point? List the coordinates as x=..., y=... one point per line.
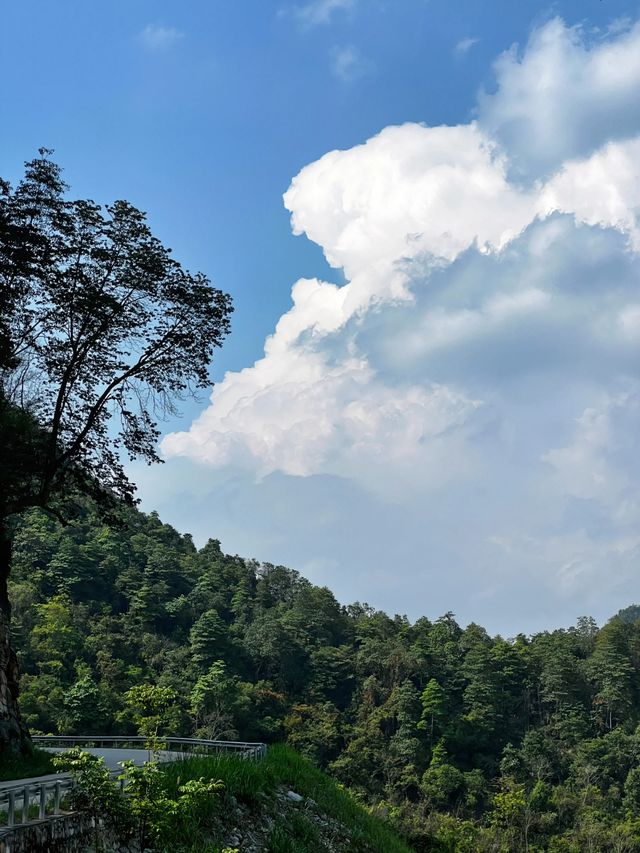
x=11, y=817
x=56, y=798
x=43, y=801
x=25, y=804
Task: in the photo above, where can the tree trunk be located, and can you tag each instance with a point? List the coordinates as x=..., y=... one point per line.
x=13, y=734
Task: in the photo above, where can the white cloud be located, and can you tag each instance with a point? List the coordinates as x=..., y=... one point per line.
x=158, y=37
x=347, y=63
x=474, y=384
x=567, y=94
x=319, y=12
x=409, y=191
x=602, y=190
x=464, y=45
x=396, y=214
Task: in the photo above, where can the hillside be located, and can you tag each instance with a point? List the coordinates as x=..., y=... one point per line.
x=461, y=740
x=279, y=804
x=283, y=805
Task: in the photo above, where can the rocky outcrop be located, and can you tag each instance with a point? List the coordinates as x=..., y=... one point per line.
x=253, y=829
x=13, y=735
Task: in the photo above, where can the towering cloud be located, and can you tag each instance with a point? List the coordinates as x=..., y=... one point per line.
x=483, y=355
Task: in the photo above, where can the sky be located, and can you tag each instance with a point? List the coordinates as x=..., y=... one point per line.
x=427, y=214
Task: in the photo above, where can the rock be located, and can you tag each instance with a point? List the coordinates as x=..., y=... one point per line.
x=296, y=798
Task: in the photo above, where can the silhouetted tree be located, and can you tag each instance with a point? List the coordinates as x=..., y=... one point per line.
x=102, y=333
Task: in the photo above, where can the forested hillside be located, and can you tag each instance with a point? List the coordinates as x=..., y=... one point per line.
x=466, y=741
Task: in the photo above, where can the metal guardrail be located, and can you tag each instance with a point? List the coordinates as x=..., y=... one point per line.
x=23, y=797
x=244, y=749
x=44, y=798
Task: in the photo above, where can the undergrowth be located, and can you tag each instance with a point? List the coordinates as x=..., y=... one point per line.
x=255, y=785
x=35, y=763
x=250, y=794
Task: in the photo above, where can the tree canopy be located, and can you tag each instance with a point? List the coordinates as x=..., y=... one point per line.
x=106, y=332
x=102, y=333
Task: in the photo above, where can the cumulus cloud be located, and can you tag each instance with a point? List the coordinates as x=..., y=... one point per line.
x=409, y=192
x=569, y=92
x=479, y=368
x=158, y=37
x=603, y=189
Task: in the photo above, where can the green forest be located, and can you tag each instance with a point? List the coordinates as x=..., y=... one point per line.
x=462, y=740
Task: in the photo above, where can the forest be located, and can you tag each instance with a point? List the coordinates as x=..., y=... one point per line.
x=463, y=741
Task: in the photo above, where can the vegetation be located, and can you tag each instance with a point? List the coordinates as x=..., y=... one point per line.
x=203, y=802
x=148, y=814
x=285, y=767
x=102, y=332
x=462, y=740
x=34, y=762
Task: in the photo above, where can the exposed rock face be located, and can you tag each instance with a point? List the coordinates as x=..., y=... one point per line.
x=13, y=734
x=252, y=829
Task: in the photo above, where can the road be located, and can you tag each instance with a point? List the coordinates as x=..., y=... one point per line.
x=112, y=757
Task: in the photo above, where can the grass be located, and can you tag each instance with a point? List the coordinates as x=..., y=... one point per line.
x=295, y=835
x=367, y=832
x=255, y=786
x=36, y=763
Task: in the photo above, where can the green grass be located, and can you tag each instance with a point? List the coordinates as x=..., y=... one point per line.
x=37, y=763
x=255, y=786
x=295, y=835
x=367, y=832
x=245, y=780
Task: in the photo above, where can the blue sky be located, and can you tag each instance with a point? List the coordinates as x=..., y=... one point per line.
x=446, y=419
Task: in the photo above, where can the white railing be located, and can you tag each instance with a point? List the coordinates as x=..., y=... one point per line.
x=26, y=797
x=28, y=802
x=243, y=749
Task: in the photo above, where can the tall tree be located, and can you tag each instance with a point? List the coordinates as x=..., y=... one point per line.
x=102, y=333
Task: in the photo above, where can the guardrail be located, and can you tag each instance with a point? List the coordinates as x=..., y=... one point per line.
x=21, y=798
x=244, y=749
x=29, y=802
